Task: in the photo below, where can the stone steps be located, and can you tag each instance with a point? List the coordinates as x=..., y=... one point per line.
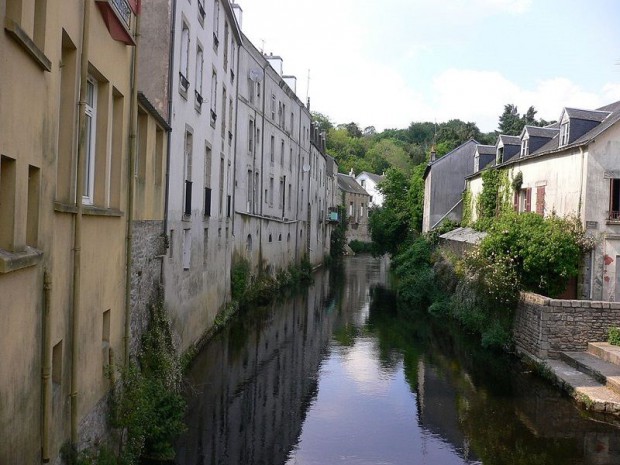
x=592, y=377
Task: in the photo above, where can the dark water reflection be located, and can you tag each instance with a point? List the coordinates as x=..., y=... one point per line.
x=333, y=377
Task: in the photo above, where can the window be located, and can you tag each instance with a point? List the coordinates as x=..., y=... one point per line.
x=248, y=243
x=201, y=12
x=221, y=186
x=249, y=192
x=207, y=182
x=29, y=16
x=272, y=149
x=187, y=248
x=361, y=210
x=32, y=212
x=614, y=199
x=7, y=205
x=290, y=188
x=292, y=128
x=251, y=137
x=564, y=133
x=88, y=192
x=105, y=338
x=282, y=192
x=187, y=203
x=184, y=65
x=250, y=90
x=282, y=153
x=350, y=208
x=525, y=200
x=57, y=364
x=226, y=46
x=224, y=99
x=271, y=191
x=273, y=107
x=230, y=120
x=199, y=68
x=363, y=182
x=525, y=149
x=213, y=98
x=290, y=159
x=216, y=24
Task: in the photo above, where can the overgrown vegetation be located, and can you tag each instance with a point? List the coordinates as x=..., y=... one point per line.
x=613, y=335
x=338, y=239
x=262, y=288
x=146, y=405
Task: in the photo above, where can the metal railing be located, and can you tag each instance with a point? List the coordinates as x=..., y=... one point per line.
x=123, y=11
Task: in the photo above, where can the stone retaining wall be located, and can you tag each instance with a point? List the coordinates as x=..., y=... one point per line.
x=544, y=327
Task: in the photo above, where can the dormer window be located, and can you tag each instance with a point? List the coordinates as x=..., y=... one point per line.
x=499, y=158
x=564, y=130
x=525, y=147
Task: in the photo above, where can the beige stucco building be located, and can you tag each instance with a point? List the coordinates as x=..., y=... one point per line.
x=62, y=228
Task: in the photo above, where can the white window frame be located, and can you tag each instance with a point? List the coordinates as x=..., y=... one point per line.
x=564, y=133
x=91, y=141
x=199, y=68
x=184, y=64
x=525, y=147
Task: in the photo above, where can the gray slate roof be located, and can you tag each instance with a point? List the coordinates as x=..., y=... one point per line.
x=349, y=184
x=509, y=140
x=589, y=115
x=537, y=131
x=486, y=149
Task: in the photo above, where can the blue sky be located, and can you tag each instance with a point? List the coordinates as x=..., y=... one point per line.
x=393, y=62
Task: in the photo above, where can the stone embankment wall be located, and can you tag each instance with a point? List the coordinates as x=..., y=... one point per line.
x=544, y=327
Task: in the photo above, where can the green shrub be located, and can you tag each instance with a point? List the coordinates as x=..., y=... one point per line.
x=613, y=336
x=361, y=247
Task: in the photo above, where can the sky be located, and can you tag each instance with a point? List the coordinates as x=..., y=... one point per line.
x=392, y=62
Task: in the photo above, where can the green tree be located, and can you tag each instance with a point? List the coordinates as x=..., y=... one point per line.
x=322, y=121
x=389, y=224
x=510, y=123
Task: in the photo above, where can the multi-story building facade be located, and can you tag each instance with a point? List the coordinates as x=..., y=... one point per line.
x=274, y=166
x=65, y=127
x=354, y=200
x=199, y=225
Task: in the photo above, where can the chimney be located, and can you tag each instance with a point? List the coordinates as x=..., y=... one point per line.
x=433, y=153
x=275, y=62
x=238, y=11
x=352, y=173
x=291, y=81
x=308, y=103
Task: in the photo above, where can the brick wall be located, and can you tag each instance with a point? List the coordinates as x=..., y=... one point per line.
x=544, y=327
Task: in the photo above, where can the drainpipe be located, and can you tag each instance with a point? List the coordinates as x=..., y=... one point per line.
x=46, y=372
x=133, y=112
x=580, y=182
x=77, y=225
x=169, y=142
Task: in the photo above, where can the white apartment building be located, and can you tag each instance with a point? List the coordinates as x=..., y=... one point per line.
x=199, y=214
x=275, y=169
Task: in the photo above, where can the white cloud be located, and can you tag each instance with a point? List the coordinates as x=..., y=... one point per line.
x=508, y=6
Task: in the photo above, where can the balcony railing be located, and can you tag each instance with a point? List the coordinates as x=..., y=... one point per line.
x=201, y=10
x=614, y=215
x=198, y=98
x=123, y=11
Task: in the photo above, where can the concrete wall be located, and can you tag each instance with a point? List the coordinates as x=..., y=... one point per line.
x=39, y=83
x=197, y=268
x=545, y=327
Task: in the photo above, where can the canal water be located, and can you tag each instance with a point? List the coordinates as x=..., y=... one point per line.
x=333, y=376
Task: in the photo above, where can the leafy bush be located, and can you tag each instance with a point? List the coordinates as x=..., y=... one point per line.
x=545, y=252
x=361, y=247
x=613, y=336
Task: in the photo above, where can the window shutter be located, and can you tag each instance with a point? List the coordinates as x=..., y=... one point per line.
x=515, y=201
x=540, y=201
x=528, y=200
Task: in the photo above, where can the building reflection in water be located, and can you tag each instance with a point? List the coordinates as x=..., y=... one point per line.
x=262, y=388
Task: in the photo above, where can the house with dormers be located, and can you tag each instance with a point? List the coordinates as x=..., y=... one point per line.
x=444, y=182
x=506, y=148
x=571, y=168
